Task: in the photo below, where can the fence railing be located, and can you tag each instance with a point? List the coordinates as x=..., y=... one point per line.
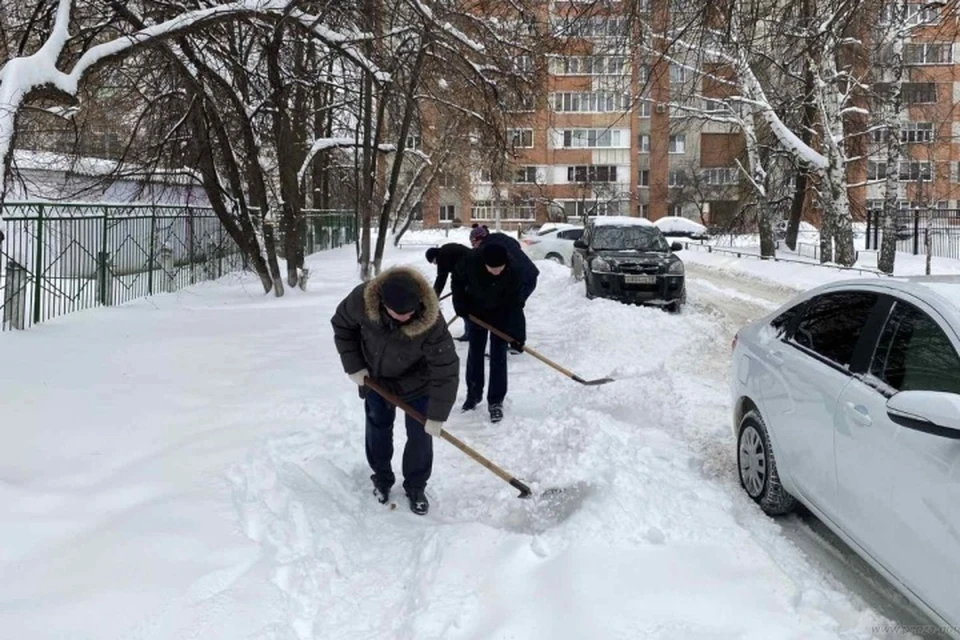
x=916, y=228
x=60, y=258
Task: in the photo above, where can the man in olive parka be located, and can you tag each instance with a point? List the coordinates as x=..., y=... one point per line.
x=391, y=330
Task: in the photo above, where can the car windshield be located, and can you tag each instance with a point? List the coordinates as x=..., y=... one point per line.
x=626, y=238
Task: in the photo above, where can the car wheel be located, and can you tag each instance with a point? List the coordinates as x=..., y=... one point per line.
x=758, y=467
x=556, y=257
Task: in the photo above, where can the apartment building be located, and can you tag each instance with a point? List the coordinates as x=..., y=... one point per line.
x=622, y=132
x=929, y=171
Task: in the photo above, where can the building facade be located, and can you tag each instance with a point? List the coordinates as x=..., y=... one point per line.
x=624, y=132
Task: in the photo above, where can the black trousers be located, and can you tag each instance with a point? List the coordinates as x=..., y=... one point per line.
x=475, y=366
x=418, y=452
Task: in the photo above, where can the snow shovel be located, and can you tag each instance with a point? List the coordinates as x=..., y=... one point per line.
x=446, y=435
x=547, y=361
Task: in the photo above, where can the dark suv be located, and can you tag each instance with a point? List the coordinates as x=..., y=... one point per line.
x=629, y=259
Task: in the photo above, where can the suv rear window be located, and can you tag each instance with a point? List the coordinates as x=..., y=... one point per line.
x=832, y=322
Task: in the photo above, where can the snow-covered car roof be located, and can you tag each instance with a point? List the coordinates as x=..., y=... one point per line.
x=620, y=221
x=673, y=223
x=556, y=226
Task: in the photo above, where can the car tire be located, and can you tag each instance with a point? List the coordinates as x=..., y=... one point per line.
x=556, y=257
x=757, y=467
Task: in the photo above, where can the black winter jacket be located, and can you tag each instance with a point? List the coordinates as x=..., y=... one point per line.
x=448, y=256
x=410, y=360
x=520, y=261
x=497, y=300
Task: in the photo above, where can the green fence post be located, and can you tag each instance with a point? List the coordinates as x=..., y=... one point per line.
x=38, y=269
x=193, y=233
x=103, y=261
x=153, y=257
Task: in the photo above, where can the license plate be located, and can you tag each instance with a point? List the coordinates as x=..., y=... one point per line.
x=631, y=278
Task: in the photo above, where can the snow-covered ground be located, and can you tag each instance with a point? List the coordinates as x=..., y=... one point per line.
x=191, y=466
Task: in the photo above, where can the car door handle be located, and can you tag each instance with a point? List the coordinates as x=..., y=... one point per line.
x=859, y=414
x=776, y=358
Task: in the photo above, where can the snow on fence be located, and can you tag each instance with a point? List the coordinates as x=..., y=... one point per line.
x=59, y=258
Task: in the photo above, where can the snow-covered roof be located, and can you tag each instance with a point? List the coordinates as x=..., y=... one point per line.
x=620, y=221
x=674, y=223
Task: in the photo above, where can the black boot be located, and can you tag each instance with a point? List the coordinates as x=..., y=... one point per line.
x=418, y=501
x=380, y=489
x=470, y=404
x=496, y=412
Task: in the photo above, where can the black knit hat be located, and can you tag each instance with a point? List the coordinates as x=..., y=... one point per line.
x=432, y=254
x=400, y=293
x=494, y=255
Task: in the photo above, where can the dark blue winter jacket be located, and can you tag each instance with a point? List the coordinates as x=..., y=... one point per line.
x=521, y=262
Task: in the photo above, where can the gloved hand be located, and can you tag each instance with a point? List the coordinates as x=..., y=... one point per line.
x=517, y=345
x=358, y=377
x=433, y=427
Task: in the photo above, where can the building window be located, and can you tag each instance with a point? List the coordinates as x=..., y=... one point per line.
x=523, y=64
x=644, y=178
x=917, y=13
x=643, y=109
x=915, y=171
x=876, y=170
x=676, y=178
x=916, y=132
x=595, y=138
x=581, y=208
x=675, y=210
x=711, y=105
x=486, y=176
x=643, y=210
x=592, y=173
x=589, y=65
x=523, y=103
x=719, y=176
x=591, y=102
x=520, y=138
x=644, y=143
x=487, y=210
x=678, y=73
x=919, y=92
x=414, y=141
x=448, y=212
x=927, y=53
x=594, y=27
x=526, y=175
x=678, y=143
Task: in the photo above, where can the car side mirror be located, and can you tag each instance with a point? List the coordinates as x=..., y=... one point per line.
x=579, y=244
x=676, y=246
x=933, y=412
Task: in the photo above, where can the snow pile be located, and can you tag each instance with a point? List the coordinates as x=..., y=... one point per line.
x=195, y=468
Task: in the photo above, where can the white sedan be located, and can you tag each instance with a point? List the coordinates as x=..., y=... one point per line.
x=847, y=399
x=553, y=243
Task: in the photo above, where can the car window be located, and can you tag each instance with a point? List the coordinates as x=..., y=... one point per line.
x=781, y=324
x=914, y=354
x=570, y=234
x=627, y=238
x=832, y=322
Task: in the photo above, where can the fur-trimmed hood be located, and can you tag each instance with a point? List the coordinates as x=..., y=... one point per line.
x=429, y=311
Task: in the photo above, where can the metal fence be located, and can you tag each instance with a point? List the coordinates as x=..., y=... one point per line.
x=60, y=258
x=916, y=228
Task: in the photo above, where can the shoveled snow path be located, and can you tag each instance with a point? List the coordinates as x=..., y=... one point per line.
x=656, y=546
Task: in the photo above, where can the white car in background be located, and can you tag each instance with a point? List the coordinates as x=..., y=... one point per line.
x=847, y=399
x=553, y=242
x=677, y=227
